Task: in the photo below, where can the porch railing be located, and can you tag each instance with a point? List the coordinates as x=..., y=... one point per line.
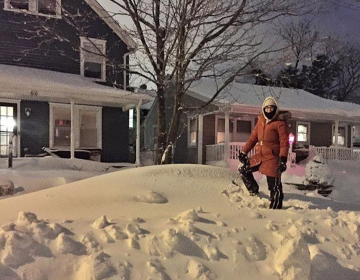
x=215, y=152
x=329, y=153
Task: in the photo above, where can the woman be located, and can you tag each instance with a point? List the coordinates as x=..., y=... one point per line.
x=271, y=138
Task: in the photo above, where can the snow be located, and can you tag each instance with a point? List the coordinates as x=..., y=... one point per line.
x=47, y=84
x=254, y=95
x=113, y=226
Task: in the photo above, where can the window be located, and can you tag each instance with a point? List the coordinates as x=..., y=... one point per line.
x=50, y=8
x=303, y=132
x=87, y=126
x=243, y=126
x=192, y=132
x=131, y=118
x=7, y=122
x=341, y=136
x=220, y=135
x=92, y=56
x=62, y=126
x=89, y=133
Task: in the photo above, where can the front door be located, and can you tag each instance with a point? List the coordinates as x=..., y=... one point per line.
x=8, y=113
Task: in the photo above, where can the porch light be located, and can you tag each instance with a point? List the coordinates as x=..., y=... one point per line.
x=291, y=138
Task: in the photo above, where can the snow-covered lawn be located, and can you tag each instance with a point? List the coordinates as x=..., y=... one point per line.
x=176, y=222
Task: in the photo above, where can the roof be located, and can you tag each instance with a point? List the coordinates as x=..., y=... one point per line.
x=248, y=96
x=113, y=24
x=36, y=84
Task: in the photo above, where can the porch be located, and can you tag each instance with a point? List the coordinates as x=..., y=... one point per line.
x=216, y=154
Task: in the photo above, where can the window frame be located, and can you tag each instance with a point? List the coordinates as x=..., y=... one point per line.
x=77, y=109
x=33, y=9
x=308, y=124
x=190, y=144
x=16, y=103
x=95, y=41
x=345, y=138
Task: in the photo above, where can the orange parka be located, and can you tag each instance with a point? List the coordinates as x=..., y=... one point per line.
x=271, y=141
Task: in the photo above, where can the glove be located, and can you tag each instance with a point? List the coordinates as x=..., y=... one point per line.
x=243, y=158
x=282, y=165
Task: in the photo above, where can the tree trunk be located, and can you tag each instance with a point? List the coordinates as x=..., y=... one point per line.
x=161, y=125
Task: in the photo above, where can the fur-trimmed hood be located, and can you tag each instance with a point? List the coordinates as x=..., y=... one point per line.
x=283, y=116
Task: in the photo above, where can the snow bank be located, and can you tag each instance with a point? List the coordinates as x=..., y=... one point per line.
x=208, y=229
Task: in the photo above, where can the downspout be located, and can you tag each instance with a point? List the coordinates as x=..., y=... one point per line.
x=131, y=51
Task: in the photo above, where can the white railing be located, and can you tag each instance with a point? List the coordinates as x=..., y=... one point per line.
x=215, y=152
x=329, y=153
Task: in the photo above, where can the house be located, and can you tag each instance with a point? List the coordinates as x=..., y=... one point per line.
x=216, y=136
x=62, y=83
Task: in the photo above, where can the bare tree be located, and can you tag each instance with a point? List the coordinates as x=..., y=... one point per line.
x=300, y=38
x=347, y=84
x=186, y=40
x=183, y=41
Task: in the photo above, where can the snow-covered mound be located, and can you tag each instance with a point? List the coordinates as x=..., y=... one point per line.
x=172, y=222
x=318, y=172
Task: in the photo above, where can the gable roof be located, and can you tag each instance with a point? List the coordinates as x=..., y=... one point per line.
x=113, y=24
x=248, y=96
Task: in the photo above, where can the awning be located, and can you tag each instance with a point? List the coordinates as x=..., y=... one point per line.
x=26, y=83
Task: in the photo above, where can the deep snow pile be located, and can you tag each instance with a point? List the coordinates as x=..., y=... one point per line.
x=33, y=174
x=173, y=222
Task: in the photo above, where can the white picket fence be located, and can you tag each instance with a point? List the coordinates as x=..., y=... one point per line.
x=216, y=153
x=329, y=153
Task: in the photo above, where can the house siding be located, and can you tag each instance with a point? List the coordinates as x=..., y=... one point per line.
x=320, y=134
x=35, y=128
x=57, y=55
x=115, y=130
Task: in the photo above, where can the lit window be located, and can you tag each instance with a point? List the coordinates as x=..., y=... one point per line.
x=221, y=130
x=39, y=7
x=93, y=61
x=341, y=136
x=87, y=126
x=7, y=122
x=62, y=127
x=131, y=118
x=303, y=133
x=192, y=131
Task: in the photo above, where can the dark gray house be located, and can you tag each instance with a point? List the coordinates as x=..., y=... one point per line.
x=62, y=81
x=216, y=136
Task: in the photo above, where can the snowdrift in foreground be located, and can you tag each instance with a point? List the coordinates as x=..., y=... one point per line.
x=172, y=222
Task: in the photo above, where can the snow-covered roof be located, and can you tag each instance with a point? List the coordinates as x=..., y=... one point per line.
x=251, y=97
x=35, y=84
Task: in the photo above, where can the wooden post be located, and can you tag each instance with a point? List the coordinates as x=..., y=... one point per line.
x=227, y=139
x=72, y=133
x=200, y=139
x=336, y=139
x=138, y=108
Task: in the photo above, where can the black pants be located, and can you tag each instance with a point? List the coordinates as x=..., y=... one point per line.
x=274, y=186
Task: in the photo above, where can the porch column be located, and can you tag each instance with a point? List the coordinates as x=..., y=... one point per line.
x=72, y=132
x=137, y=162
x=351, y=136
x=336, y=132
x=227, y=138
x=200, y=139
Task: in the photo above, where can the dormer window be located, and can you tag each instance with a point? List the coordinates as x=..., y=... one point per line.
x=92, y=57
x=50, y=8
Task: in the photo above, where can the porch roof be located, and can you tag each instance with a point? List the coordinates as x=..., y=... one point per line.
x=43, y=85
x=248, y=98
